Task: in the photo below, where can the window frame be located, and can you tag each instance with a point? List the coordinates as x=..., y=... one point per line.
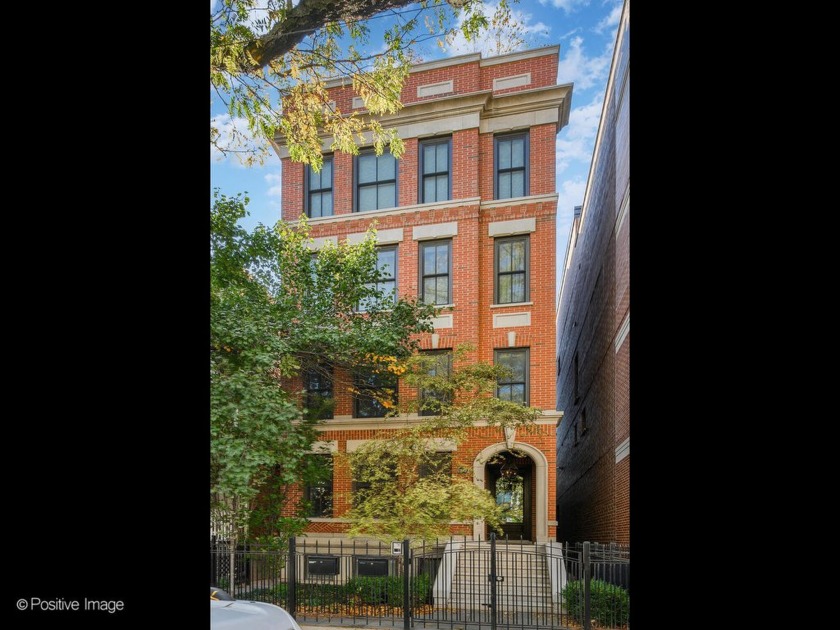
x=307, y=490
x=526, y=352
x=526, y=168
x=422, y=394
x=307, y=390
x=360, y=385
x=421, y=180
x=357, y=185
x=360, y=308
x=527, y=271
x=421, y=270
x=308, y=192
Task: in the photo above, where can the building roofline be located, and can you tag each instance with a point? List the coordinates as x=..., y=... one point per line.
x=458, y=60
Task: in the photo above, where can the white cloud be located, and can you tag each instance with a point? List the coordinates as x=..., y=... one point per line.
x=234, y=136
x=579, y=140
x=610, y=20
x=569, y=195
x=585, y=72
x=487, y=44
x=567, y=5
x=275, y=189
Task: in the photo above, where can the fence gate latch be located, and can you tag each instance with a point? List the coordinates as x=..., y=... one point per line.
x=499, y=578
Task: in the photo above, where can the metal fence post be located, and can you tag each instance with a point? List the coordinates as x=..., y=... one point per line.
x=291, y=578
x=213, y=570
x=492, y=579
x=406, y=586
x=587, y=572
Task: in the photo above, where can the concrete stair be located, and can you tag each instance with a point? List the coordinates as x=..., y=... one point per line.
x=526, y=585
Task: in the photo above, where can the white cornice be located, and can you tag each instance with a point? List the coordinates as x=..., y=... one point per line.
x=516, y=201
x=387, y=212
x=547, y=417
x=519, y=56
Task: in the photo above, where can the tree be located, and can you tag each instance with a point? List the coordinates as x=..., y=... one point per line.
x=404, y=487
x=266, y=51
x=276, y=309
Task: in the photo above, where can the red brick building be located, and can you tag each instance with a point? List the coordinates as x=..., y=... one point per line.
x=593, y=332
x=465, y=220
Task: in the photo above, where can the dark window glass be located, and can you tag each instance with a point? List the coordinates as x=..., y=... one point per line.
x=512, y=256
x=515, y=386
x=318, y=388
x=511, y=166
x=434, y=170
x=376, y=181
x=319, y=494
x=386, y=265
x=319, y=190
x=430, y=400
x=435, y=277
x=371, y=389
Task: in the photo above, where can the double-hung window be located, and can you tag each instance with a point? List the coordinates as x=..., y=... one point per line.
x=511, y=160
x=435, y=180
x=436, y=272
x=319, y=190
x=376, y=181
x=511, y=260
x=513, y=387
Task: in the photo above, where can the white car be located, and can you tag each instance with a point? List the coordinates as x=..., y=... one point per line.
x=240, y=614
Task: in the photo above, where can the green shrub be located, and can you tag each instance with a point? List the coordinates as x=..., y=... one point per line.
x=277, y=594
x=609, y=605
x=388, y=590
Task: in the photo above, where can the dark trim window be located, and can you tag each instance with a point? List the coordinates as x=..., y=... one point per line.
x=514, y=387
x=318, y=391
x=370, y=387
x=430, y=401
x=583, y=427
x=386, y=265
x=319, y=190
x=376, y=181
x=577, y=380
x=435, y=272
x=435, y=164
x=512, y=269
x=319, y=494
x=438, y=463
x=362, y=489
x=511, y=162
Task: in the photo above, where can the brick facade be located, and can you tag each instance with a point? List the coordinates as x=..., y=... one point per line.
x=593, y=324
x=471, y=114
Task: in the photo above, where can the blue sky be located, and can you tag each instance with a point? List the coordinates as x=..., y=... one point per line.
x=585, y=30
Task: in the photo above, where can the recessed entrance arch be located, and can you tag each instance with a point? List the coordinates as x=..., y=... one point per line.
x=536, y=476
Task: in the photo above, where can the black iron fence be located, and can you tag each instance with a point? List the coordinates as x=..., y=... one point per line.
x=455, y=583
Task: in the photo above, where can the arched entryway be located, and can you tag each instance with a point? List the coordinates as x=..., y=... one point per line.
x=497, y=462
x=509, y=478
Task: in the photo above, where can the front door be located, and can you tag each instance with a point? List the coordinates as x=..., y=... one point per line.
x=509, y=481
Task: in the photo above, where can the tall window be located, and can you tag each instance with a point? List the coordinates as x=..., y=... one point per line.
x=438, y=463
x=435, y=276
x=434, y=170
x=512, y=255
x=319, y=494
x=441, y=365
x=374, y=390
x=376, y=181
x=386, y=265
x=319, y=190
x=367, y=478
x=511, y=162
x=515, y=386
x=318, y=397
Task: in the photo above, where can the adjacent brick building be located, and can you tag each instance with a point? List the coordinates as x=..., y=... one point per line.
x=593, y=332
x=466, y=220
